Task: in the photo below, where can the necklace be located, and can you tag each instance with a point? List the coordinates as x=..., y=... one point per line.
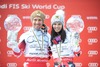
x=59, y=53
x=41, y=47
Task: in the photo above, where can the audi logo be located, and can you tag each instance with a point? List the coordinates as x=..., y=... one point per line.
x=92, y=52
x=11, y=64
x=93, y=64
x=92, y=28
x=93, y=40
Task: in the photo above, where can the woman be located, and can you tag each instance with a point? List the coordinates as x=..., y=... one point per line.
x=63, y=50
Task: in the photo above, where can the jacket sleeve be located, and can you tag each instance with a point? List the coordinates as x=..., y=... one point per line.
x=18, y=50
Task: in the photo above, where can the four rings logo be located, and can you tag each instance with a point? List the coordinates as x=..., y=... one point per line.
x=92, y=53
x=11, y=64
x=92, y=28
x=78, y=64
x=93, y=64
x=9, y=53
x=26, y=28
x=92, y=40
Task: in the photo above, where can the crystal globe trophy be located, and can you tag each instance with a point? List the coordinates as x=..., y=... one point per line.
x=75, y=24
x=12, y=24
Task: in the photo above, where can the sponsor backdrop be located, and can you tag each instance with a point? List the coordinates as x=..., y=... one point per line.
x=89, y=10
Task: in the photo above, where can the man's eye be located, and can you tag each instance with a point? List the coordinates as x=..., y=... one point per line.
x=39, y=20
x=35, y=19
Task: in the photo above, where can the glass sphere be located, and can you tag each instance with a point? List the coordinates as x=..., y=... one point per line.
x=75, y=24
x=12, y=23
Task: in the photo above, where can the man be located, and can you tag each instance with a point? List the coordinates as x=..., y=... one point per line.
x=35, y=42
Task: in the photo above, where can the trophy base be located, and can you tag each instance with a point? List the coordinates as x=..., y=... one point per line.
x=11, y=44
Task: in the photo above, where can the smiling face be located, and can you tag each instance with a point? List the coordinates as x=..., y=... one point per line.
x=57, y=26
x=37, y=22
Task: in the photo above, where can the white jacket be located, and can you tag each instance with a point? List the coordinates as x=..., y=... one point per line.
x=31, y=48
x=69, y=47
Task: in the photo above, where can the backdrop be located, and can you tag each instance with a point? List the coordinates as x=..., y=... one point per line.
x=89, y=10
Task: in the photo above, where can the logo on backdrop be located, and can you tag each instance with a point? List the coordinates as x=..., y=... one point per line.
x=92, y=53
x=92, y=41
x=78, y=64
x=92, y=17
x=93, y=64
x=92, y=28
x=9, y=53
x=11, y=64
x=26, y=28
x=33, y=6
